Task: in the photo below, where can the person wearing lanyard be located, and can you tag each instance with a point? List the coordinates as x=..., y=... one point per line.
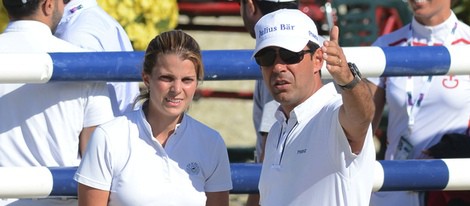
x=421, y=109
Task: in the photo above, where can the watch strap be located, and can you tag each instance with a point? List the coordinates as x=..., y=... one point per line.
x=357, y=77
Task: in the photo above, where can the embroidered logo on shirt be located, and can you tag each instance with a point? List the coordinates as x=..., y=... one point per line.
x=451, y=82
x=192, y=168
x=301, y=151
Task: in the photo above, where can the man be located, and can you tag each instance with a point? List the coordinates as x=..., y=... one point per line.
x=415, y=103
x=264, y=106
x=86, y=25
x=320, y=150
x=45, y=124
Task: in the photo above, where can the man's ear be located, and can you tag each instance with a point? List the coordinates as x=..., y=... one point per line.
x=318, y=56
x=250, y=7
x=318, y=59
x=47, y=7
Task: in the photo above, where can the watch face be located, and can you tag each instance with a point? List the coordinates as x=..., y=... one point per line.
x=357, y=77
x=354, y=70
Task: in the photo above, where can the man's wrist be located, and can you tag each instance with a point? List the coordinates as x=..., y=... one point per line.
x=357, y=77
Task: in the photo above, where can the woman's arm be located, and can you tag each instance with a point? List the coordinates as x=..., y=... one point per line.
x=379, y=100
x=89, y=196
x=217, y=198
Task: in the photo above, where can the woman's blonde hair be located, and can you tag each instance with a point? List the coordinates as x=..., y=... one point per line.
x=171, y=42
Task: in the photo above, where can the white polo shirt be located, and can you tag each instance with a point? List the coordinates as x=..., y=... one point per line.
x=124, y=158
x=40, y=124
x=444, y=107
x=87, y=25
x=446, y=99
x=308, y=159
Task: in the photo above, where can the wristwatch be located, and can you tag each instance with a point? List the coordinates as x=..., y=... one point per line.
x=357, y=77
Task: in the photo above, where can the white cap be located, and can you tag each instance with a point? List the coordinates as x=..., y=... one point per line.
x=290, y=29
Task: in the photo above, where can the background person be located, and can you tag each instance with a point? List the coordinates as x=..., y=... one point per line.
x=415, y=103
x=45, y=124
x=320, y=151
x=87, y=25
x=159, y=155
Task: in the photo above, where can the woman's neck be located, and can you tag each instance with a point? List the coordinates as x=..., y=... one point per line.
x=433, y=20
x=162, y=126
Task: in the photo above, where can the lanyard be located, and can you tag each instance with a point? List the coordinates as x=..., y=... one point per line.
x=413, y=104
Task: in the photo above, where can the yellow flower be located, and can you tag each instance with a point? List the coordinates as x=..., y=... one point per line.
x=3, y=18
x=142, y=19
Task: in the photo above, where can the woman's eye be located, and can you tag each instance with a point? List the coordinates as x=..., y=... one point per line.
x=188, y=80
x=166, y=78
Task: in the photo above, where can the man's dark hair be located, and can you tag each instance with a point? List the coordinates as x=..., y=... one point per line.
x=313, y=46
x=17, y=9
x=267, y=7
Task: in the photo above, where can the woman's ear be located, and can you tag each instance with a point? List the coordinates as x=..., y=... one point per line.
x=146, y=79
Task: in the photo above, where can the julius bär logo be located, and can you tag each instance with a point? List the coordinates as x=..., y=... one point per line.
x=287, y=27
x=266, y=30
x=282, y=27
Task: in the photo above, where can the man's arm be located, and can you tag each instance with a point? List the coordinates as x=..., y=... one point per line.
x=356, y=114
x=357, y=111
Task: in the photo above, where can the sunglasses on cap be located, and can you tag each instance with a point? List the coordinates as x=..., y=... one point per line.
x=266, y=57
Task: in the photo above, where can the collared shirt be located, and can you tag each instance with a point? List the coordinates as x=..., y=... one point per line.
x=87, y=25
x=308, y=160
x=447, y=99
x=40, y=124
x=124, y=158
x=444, y=101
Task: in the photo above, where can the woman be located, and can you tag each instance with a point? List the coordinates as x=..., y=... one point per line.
x=421, y=109
x=158, y=155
